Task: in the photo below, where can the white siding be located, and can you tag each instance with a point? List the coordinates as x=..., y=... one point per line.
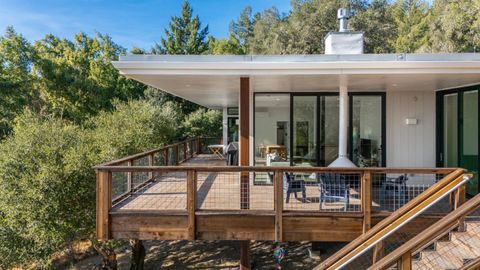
x=411, y=145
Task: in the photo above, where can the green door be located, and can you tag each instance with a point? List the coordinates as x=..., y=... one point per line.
x=458, y=128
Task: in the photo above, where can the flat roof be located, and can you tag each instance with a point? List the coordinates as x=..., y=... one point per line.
x=213, y=80
x=438, y=57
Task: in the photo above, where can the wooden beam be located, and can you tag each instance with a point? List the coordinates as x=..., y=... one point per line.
x=278, y=200
x=151, y=159
x=244, y=161
x=129, y=178
x=191, y=203
x=245, y=255
x=378, y=252
x=367, y=200
x=244, y=141
x=104, y=204
x=406, y=262
x=460, y=196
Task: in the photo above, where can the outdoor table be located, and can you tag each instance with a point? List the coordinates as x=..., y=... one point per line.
x=217, y=149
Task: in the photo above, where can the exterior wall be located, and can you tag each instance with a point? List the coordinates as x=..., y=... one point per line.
x=410, y=145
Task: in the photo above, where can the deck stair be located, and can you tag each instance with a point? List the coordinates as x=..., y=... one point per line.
x=460, y=248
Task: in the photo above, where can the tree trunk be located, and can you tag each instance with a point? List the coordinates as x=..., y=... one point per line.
x=138, y=255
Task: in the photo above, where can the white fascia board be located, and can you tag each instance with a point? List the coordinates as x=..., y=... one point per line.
x=296, y=68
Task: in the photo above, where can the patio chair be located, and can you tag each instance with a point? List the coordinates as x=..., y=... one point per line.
x=333, y=186
x=395, y=188
x=290, y=185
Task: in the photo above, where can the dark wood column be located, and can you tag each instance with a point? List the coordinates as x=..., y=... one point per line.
x=244, y=161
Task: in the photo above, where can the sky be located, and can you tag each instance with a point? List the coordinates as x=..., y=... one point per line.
x=130, y=23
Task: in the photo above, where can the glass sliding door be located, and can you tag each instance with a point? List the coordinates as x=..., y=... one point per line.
x=450, y=130
x=458, y=131
x=315, y=129
x=305, y=112
x=272, y=129
x=469, y=141
x=367, y=130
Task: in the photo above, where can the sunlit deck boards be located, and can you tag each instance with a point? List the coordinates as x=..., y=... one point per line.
x=220, y=191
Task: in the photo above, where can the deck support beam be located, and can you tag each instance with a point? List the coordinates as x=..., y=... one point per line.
x=244, y=144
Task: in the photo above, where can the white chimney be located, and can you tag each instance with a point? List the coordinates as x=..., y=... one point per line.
x=344, y=41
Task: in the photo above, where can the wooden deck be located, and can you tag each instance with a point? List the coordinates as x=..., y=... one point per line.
x=176, y=192
x=221, y=191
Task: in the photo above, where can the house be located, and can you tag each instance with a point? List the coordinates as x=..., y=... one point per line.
x=370, y=131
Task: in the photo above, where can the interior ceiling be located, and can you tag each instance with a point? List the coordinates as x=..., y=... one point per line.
x=219, y=91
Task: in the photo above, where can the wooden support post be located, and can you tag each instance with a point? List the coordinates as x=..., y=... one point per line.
x=460, y=196
x=191, y=202
x=278, y=200
x=244, y=146
x=138, y=254
x=151, y=159
x=405, y=262
x=367, y=200
x=199, y=150
x=104, y=204
x=378, y=252
x=185, y=151
x=245, y=255
x=129, y=178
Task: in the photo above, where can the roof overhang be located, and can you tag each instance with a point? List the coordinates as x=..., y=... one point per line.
x=213, y=81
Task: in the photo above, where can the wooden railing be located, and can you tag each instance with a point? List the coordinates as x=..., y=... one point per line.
x=364, y=177
x=453, y=183
x=403, y=254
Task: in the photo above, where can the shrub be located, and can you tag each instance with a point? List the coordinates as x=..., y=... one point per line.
x=204, y=123
x=47, y=189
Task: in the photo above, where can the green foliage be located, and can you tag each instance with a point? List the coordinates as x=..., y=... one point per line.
x=77, y=79
x=230, y=46
x=412, y=25
x=134, y=127
x=47, y=185
x=184, y=36
x=16, y=81
x=204, y=123
x=378, y=24
x=454, y=26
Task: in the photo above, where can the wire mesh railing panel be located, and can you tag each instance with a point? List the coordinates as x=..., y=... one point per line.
x=392, y=191
x=329, y=192
x=139, y=178
x=172, y=156
x=166, y=192
x=159, y=159
x=232, y=191
x=119, y=184
x=181, y=152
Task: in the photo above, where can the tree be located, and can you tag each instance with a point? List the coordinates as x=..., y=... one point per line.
x=203, y=123
x=184, y=35
x=241, y=31
x=411, y=17
x=229, y=46
x=16, y=81
x=454, y=26
x=77, y=78
x=378, y=24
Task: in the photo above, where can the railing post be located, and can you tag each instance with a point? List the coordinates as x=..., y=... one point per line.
x=378, y=252
x=176, y=155
x=151, y=158
x=199, y=150
x=367, y=200
x=191, y=202
x=129, y=177
x=184, y=151
x=104, y=204
x=460, y=194
x=278, y=201
x=405, y=262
